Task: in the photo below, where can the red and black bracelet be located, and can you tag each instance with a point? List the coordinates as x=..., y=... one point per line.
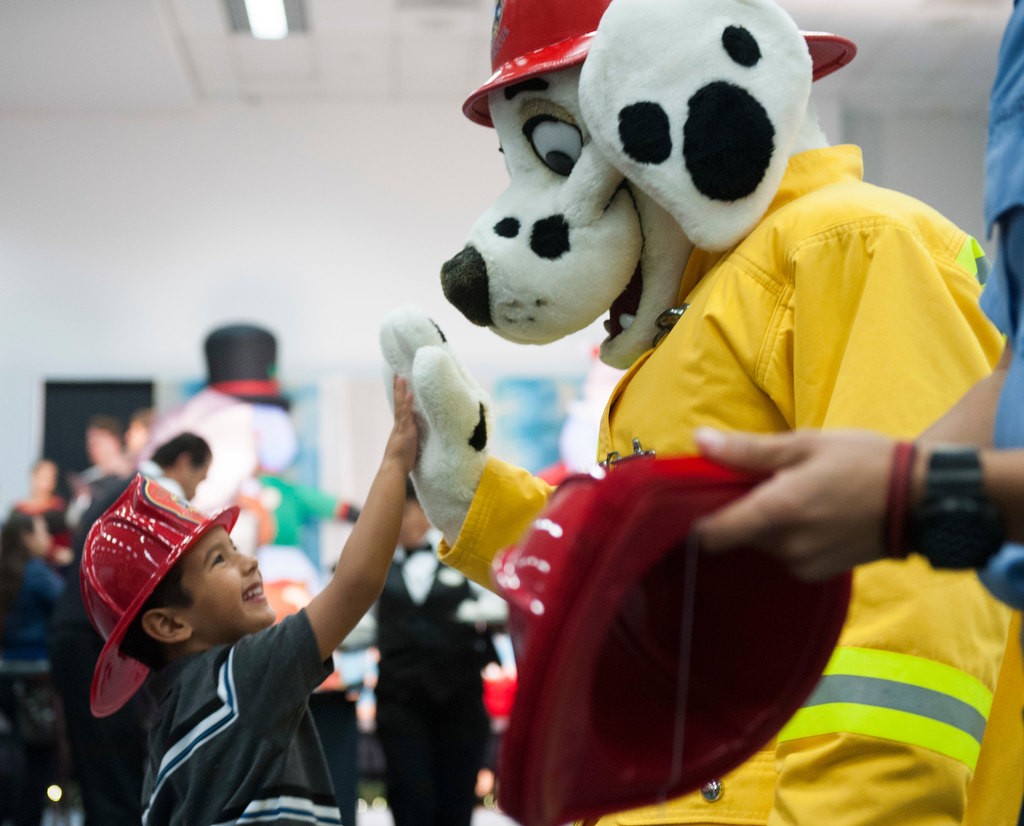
x=901, y=474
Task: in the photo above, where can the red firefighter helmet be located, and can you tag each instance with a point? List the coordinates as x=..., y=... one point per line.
x=532, y=37
x=647, y=669
x=127, y=553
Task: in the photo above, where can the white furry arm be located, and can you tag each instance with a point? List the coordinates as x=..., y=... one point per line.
x=453, y=413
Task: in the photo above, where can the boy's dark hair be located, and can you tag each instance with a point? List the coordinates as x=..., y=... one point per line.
x=170, y=593
x=196, y=447
x=111, y=424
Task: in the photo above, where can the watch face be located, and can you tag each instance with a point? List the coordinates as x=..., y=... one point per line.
x=958, y=532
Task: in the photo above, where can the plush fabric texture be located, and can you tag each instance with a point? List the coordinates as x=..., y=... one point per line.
x=570, y=239
x=731, y=78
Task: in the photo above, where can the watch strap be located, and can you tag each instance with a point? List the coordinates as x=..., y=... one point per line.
x=956, y=525
x=954, y=471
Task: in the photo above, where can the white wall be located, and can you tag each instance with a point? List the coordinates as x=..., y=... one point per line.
x=123, y=240
x=937, y=157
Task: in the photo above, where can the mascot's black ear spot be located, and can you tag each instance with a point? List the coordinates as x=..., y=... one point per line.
x=478, y=441
x=550, y=237
x=440, y=332
x=741, y=46
x=507, y=228
x=728, y=141
x=644, y=132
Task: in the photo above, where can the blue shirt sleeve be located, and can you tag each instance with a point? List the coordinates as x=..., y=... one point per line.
x=1004, y=159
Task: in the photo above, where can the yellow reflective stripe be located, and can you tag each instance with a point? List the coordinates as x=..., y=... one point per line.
x=886, y=724
x=897, y=697
x=969, y=254
x=906, y=668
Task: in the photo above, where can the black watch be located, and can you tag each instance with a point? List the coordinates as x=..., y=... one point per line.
x=956, y=525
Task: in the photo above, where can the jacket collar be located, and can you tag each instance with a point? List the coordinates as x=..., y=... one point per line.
x=806, y=172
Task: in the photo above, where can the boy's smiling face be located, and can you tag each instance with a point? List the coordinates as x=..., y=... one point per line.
x=227, y=592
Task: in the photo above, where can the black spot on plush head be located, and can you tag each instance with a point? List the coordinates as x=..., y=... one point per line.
x=550, y=237
x=741, y=46
x=644, y=132
x=728, y=141
x=507, y=227
x=478, y=441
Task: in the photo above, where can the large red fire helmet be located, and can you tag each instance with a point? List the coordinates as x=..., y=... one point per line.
x=646, y=668
x=127, y=553
x=532, y=37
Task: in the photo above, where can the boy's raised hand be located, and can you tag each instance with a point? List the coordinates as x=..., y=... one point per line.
x=403, y=443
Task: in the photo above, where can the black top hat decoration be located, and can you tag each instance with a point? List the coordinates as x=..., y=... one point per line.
x=241, y=361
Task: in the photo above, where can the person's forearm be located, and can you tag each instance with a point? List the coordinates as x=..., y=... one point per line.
x=370, y=547
x=1004, y=482
x=971, y=420
x=363, y=566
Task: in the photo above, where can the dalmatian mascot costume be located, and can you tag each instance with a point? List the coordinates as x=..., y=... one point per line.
x=668, y=172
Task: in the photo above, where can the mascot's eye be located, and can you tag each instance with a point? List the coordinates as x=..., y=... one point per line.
x=557, y=144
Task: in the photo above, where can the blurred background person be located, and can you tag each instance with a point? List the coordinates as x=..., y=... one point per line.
x=104, y=445
x=43, y=500
x=136, y=435
x=107, y=753
x=434, y=637
x=333, y=706
x=29, y=588
x=179, y=464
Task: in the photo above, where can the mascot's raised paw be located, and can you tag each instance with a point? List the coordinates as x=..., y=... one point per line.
x=453, y=413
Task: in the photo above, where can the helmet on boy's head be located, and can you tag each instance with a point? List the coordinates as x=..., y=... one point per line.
x=531, y=37
x=127, y=553
x=647, y=669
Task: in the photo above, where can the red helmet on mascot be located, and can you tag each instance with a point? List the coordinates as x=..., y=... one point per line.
x=532, y=37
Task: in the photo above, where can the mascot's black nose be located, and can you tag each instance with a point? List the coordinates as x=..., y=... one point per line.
x=464, y=281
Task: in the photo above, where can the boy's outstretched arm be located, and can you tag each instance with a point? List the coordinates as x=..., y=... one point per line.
x=363, y=566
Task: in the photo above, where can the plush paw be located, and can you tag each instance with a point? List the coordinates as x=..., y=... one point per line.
x=453, y=412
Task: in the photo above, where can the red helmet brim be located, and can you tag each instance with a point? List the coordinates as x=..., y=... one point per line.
x=829, y=53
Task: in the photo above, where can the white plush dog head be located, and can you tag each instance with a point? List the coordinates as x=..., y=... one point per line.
x=676, y=131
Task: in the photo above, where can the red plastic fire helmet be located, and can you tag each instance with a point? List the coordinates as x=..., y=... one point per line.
x=647, y=669
x=532, y=37
x=127, y=552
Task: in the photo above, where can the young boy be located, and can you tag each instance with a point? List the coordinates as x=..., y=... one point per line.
x=234, y=740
